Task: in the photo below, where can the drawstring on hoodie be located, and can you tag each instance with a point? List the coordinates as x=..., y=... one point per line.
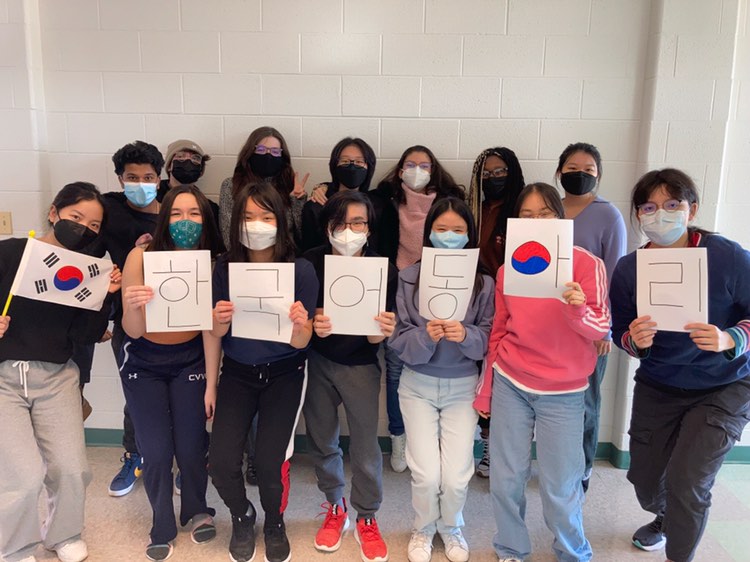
x=23, y=370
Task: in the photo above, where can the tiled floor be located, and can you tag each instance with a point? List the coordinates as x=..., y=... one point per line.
x=117, y=528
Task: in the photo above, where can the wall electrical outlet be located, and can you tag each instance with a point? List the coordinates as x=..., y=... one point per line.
x=6, y=224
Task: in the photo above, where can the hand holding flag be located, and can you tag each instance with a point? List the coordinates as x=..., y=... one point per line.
x=4, y=322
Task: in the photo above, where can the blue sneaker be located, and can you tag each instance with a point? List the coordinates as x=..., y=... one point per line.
x=131, y=470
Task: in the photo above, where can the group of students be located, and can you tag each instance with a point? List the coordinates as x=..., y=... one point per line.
x=536, y=364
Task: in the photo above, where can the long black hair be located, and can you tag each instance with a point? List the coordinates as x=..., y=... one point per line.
x=209, y=239
x=459, y=207
x=441, y=181
x=243, y=175
x=267, y=197
x=513, y=185
x=367, y=152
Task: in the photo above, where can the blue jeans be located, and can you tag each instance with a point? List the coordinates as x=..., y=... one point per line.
x=440, y=420
x=393, y=368
x=559, y=429
x=592, y=398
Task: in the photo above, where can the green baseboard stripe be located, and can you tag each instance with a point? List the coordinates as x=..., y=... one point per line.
x=604, y=451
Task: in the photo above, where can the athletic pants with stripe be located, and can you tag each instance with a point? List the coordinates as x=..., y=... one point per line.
x=275, y=391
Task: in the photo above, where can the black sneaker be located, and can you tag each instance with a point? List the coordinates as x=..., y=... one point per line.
x=277, y=545
x=649, y=537
x=250, y=475
x=242, y=543
x=159, y=552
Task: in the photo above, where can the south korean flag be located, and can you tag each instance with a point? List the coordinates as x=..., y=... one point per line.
x=53, y=274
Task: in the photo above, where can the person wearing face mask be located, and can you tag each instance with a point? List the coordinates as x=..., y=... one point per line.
x=535, y=376
x=401, y=202
x=131, y=219
x=599, y=228
x=167, y=402
x=40, y=402
x=185, y=163
x=438, y=386
x=265, y=157
x=345, y=370
x=692, y=389
x=352, y=166
x=496, y=181
x=260, y=377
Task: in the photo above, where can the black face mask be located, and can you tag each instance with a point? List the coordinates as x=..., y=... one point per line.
x=266, y=165
x=72, y=235
x=493, y=188
x=351, y=176
x=578, y=183
x=185, y=171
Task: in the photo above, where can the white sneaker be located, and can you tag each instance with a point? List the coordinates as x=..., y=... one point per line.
x=398, y=452
x=31, y=558
x=456, y=549
x=72, y=551
x=420, y=547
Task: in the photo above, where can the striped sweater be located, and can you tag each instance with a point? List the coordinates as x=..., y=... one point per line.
x=546, y=345
x=673, y=359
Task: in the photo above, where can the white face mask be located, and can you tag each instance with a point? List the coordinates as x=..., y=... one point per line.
x=415, y=178
x=346, y=242
x=258, y=235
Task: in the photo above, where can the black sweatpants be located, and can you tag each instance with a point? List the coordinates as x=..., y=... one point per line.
x=275, y=391
x=165, y=386
x=678, y=441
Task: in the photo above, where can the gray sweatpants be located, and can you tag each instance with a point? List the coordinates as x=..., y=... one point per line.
x=43, y=444
x=357, y=387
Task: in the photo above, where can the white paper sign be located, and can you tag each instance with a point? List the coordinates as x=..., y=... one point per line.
x=538, y=257
x=262, y=294
x=354, y=294
x=181, y=281
x=672, y=286
x=446, y=281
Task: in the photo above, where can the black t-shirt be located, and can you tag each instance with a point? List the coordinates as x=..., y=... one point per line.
x=38, y=330
x=124, y=226
x=347, y=350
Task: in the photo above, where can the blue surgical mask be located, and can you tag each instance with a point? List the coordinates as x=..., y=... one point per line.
x=140, y=194
x=664, y=228
x=185, y=233
x=449, y=240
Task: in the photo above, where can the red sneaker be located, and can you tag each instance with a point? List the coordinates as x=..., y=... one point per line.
x=371, y=544
x=328, y=538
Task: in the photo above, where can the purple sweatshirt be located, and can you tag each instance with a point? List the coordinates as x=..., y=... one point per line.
x=600, y=229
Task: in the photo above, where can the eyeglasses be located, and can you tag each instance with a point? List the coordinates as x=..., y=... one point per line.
x=650, y=208
x=426, y=166
x=543, y=215
x=192, y=156
x=272, y=150
x=357, y=162
x=496, y=173
x=355, y=226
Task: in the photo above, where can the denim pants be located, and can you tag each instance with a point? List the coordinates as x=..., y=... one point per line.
x=393, y=367
x=440, y=422
x=164, y=387
x=559, y=429
x=357, y=387
x=592, y=399
x=678, y=442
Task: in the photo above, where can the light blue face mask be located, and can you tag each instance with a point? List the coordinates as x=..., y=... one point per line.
x=185, y=233
x=449, y=240
x=140, y=194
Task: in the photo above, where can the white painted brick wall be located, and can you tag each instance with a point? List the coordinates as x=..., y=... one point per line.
x=533, y=75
